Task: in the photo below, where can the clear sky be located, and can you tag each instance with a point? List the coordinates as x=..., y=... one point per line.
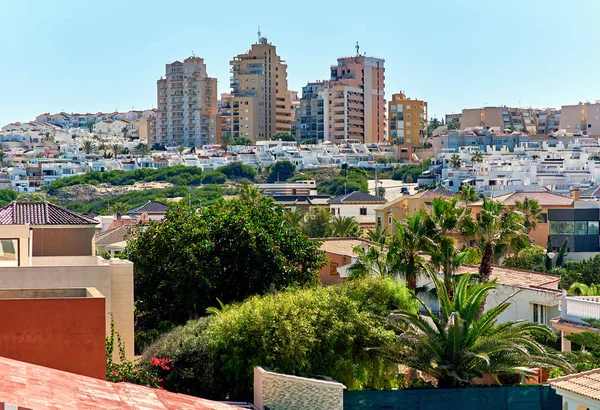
x=101, y=55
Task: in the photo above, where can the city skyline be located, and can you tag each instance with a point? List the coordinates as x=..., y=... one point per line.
x=453, y=56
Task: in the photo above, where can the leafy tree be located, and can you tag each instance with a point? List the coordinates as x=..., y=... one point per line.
x=327, y=331
x=344, y=226
x=180, y=150
x=295, y=217
x=455, y=161
x=226, y=251
x=458, y=344
x=476, y=157
x=283, y=136
x=7, y=196
x=226, y=140
x=467, y=193
x=158, y=147
x=316, y=223
x=281, y=171
x=581, y=289
x=2, y=156
x=349, y=181
x=215, y=177
x=410, y=172
x=242, y=141
x=530, y=210
x=434, y=123
x=562, y=253
x=238, y=170
x=454, y=125
x=375, y=261
x=532, y=258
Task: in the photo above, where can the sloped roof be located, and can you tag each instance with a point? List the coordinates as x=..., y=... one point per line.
x=342, y=246
x=519, y=278
x=357, y=197
x=41, y=213
x=591, y=192
x=151, y=207
x=115, y=235
x=41, y=388
x=543, y=198
x=585, y=384
x=433, y=193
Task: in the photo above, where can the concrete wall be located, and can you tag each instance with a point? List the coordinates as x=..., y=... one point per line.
x=113, y=279
x=284, y=392
x=64, y=241
x=64, y=333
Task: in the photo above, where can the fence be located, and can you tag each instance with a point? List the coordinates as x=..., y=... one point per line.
x=488, y=398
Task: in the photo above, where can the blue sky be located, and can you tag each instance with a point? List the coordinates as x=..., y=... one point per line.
x=101, y=55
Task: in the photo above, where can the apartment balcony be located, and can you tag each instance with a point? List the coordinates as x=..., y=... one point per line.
x=576, y=308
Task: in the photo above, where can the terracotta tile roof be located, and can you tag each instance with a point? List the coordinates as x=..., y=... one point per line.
x=585, y=384
x=543, y=198
x=40, y=388
x=342, y=246
x=41, y=213
x=433, y=193
x=118, y=234
x=151, y=207
x=519, y=278
x=357, y=197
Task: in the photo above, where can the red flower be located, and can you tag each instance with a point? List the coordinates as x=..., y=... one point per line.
x=113, y=372
x=162, y=363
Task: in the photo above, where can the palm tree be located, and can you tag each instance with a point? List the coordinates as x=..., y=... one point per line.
x=124, y=131
x=581, y=289
x=378, y=235
x=116, y=149
x=142, y=149
x=467, y=193
x=119, y=208
x=181, y=150
x=477, y=156
x=88, y=146
x=345, y=227
x=227, y=140
x=495, y=231
x=530, y=209
x=455, y=161
x=103, y=147
x=457, y=344
x=249, y=194
x=295, y=217
x=374, y=261
x=316, y=224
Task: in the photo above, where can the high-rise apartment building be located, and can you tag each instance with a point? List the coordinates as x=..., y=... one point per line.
x=407, y=124
x=348, y=106
x=187, y=105
x=582, y=118
x=261, y=105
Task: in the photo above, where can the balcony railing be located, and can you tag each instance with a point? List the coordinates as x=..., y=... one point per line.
x=577, y=308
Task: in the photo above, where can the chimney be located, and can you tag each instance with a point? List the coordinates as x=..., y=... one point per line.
x=575, y=193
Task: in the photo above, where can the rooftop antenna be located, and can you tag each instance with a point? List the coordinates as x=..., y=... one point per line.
x=259, y=33
x=193, y=55
x=357, y=49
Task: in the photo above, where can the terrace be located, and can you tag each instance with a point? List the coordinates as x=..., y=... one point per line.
x=573, y=311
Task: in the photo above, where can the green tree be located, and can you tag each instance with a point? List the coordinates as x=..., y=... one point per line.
x=530, y=210
x=562, y=253
x=344, y=226
x=434, y=123
x=454, y=125
x=316, y=223
x=116, y=149
x=88, y=146
x=581, y=289
x=378, y=235
x=180, y=150
x=328, y=331
x=2, y=156
x=283, y=136
x=374, y=261
x=348, y=181
x=467, y=193
x=281, y=171
x=7, y=196
x=124, y=132
x=455, y=161
x=237, y=170
x=226, y=140
x=142, y=149
x=458, y=344
x=295, y=217
x=226, y=251
x=531, y=258
x=476, y=157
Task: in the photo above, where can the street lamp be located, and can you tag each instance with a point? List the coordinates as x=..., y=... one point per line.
x=551, y=255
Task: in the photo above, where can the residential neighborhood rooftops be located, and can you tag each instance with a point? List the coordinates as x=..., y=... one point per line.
x=41, y=213
x=28, y=386
x=543, y=198
x=518, y=278
x=114, y=235
x=585, y=384
x=151, y=207
x=433, y=193
x=343, y=246
x=357, y=197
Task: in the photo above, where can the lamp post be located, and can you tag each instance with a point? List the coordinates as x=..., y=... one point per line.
x=551, y=255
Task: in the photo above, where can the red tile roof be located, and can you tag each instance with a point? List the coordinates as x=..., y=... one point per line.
x=41, y=213
x=40, y=388
x=542, y=198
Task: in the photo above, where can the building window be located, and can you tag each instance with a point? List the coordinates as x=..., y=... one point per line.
x=561, y=227
x=9, y=252
x=363, y=211
x=389, y=220
x=544, y=218
x=539, y=314
x=580, y=228
x=333, y=211
x=333, y=268
x=593, y=228
x=378, y=221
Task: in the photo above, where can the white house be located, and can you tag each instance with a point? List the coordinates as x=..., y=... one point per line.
x=356, y=204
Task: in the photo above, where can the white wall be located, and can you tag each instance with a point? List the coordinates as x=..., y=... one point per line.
x=353, y=210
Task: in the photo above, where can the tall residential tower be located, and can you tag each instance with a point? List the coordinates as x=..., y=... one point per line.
x=187, y=105
x=260, y=105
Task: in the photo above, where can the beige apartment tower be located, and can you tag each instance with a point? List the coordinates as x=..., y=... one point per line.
x=260, y=105
x=187, y=105
x=407, y=125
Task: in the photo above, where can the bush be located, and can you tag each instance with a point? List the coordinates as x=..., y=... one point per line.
x=356, y=181
x=281, y=171
x=238, y=170
x=531, y=258
x=305, y=332
x=215, y=177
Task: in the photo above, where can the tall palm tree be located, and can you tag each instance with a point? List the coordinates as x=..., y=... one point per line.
x=181, y=150
x=477, y=156
x=295, y=217
x=530, y=210
x=455, y=161
x=88, y=146
x=467, y=193
x=374, y=261
x=142, y=149
x=496, y=231
x=124, y=131
x=378, y=235
x=249, y=194
x=457, y=344
x=116, y=149
x=581, y=289
x=345, y=227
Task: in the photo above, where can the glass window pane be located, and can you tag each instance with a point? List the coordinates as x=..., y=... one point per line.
x=580, y=227
x=593, y=227
x=561, y=227
x=9, y=255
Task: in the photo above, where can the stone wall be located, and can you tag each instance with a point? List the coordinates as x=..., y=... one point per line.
x=283, y=392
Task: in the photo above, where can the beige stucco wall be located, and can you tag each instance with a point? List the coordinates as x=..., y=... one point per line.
x=114, y=279
x=284, y=392
x=64, y=241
